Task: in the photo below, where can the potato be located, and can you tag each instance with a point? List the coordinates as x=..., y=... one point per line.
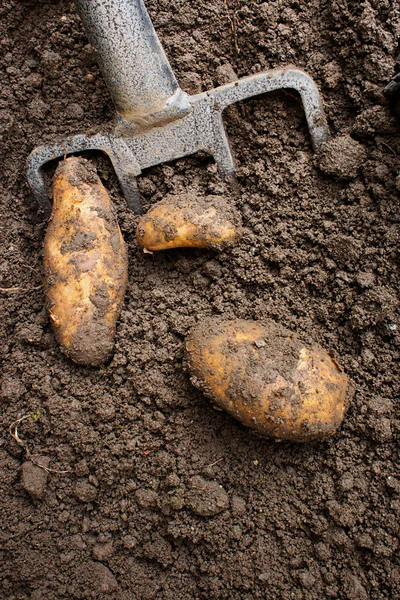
x=85, y=262
x=189, y=221
x=267, y=378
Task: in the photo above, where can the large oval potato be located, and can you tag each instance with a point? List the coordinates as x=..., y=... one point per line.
x=190, y=221
x=267, y=378
x=85, y=263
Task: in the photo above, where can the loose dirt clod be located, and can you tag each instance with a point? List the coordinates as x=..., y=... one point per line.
x=146, y=498
x=97, y=578
x=342, y=156
x=206, y=498
x=85, y=492
x=34, y=477
x=103, y=551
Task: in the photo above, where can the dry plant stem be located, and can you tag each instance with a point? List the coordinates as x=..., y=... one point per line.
x=233, y=23
x=10, y=290
x=13, y=429
x=389, y=147
x=31, y=268
x=216, y=462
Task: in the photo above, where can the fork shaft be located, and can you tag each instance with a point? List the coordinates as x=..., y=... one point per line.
x=131, y=58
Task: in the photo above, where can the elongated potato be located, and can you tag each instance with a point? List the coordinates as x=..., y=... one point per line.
x=267, y=378
x=85, y=262
x=190, y=221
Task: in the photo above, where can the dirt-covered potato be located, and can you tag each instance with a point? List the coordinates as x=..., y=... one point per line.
x=85, y=262
x=188, y=220
x=267, y=378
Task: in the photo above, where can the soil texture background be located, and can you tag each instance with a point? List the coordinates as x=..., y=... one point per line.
x=153, y=493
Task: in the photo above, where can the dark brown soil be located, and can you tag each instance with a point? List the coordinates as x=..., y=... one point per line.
x=133, y=506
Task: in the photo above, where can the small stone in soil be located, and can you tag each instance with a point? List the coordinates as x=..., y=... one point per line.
x=34, y=478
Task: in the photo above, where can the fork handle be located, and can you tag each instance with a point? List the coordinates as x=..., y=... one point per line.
x=131, y=58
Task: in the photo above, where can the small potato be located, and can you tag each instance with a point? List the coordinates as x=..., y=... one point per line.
x=189, y=221
x=85, y=262
x=267, y=378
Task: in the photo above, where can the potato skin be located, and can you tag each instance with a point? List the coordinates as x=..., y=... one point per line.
x=190, y=221
x=266, y=377
x=85, y=263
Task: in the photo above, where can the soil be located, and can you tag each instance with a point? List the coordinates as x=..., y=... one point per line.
x=149, y=491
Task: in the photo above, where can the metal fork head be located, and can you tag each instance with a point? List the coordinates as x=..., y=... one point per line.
x=186, y=125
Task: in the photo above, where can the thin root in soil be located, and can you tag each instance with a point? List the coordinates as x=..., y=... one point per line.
x=13, y=429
